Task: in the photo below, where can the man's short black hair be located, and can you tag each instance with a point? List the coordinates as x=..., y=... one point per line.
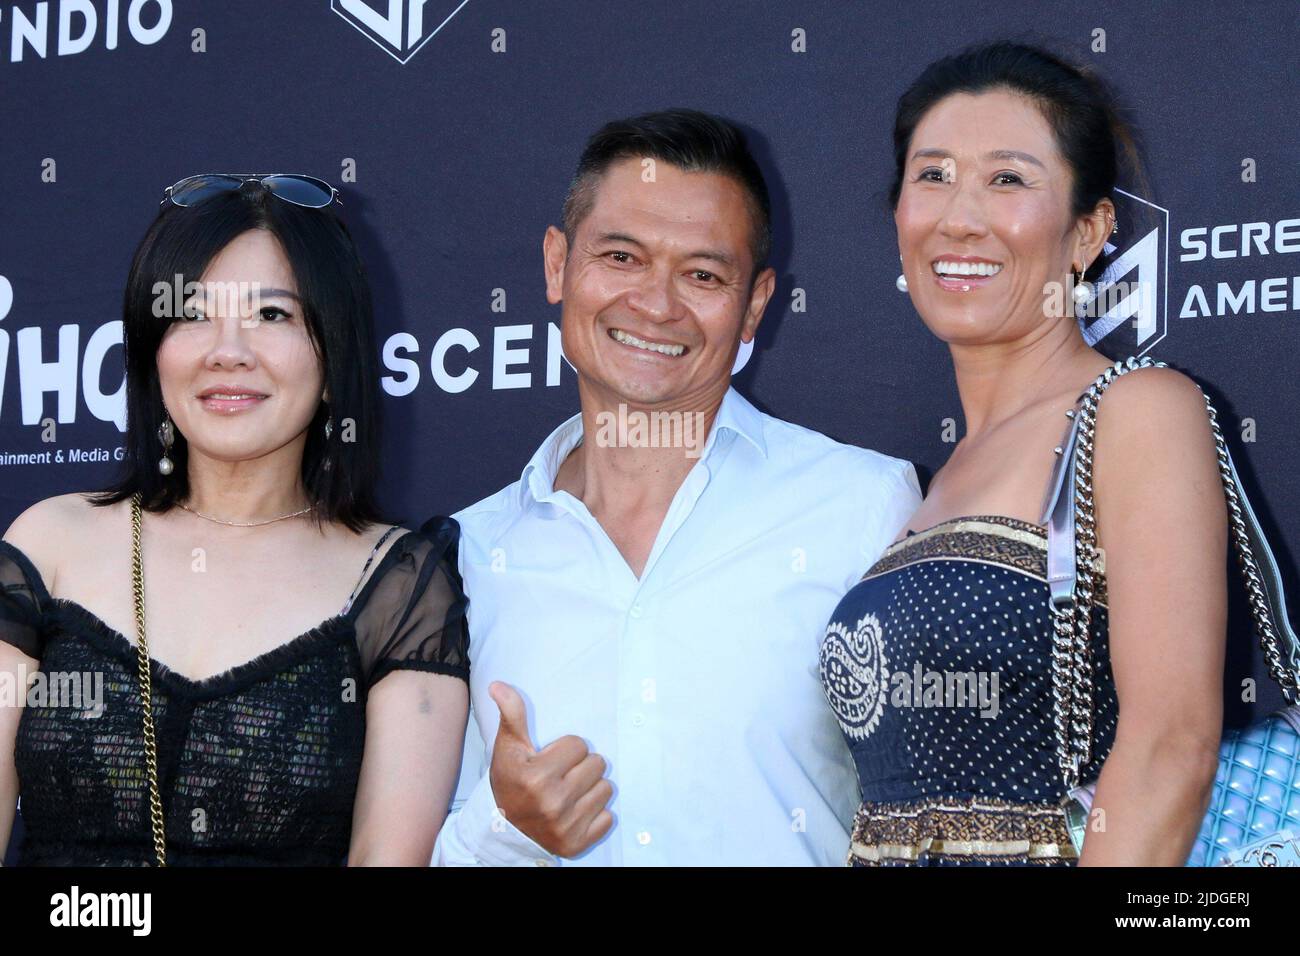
x=688, y=139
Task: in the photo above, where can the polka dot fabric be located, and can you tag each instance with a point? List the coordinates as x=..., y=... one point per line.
x=937, y=665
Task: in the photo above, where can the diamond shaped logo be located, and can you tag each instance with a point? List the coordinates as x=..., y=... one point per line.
x=1130, y=304
x=398, y=27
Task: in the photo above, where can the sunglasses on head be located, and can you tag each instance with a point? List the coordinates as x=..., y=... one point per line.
x=291, y=187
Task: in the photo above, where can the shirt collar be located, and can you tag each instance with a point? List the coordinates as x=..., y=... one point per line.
x=735, y=414
x=738, y=415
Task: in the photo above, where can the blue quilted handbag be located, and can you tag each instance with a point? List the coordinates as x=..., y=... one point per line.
x=1256, y=791
x=1254, y=813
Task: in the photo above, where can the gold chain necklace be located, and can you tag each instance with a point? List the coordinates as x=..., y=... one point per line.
x=244, y=524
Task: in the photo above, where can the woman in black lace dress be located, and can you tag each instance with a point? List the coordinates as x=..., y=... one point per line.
x=307, y=661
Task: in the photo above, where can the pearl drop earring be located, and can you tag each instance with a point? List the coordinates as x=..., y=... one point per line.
x=901, y=281
x=1082, y=289
x=166, y=435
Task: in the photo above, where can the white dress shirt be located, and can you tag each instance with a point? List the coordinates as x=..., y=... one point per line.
x=697, y=682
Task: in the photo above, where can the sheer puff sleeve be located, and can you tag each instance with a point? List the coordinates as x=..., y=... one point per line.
x=410, y=615
x=21, y=595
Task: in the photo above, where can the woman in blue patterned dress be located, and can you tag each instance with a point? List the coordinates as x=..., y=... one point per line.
x=938, y=663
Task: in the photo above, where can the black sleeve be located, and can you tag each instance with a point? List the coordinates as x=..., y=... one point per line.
x=22, y=594
x=411, y=614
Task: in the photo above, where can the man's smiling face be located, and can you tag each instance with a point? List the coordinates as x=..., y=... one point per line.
x=656, y=285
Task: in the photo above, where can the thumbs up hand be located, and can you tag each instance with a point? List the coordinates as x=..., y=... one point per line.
x=557, y=795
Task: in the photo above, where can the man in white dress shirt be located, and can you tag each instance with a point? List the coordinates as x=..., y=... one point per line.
x=647, y=601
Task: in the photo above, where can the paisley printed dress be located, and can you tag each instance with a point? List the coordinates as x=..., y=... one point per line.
x=937, y=665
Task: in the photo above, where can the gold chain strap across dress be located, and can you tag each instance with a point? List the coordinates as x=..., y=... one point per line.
x=146, y=686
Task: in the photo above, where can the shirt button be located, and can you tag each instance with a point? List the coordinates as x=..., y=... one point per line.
x=643, y=838
x=543, y=862
x=635, y=611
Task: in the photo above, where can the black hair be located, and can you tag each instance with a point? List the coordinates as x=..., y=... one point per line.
x=339, y=475
x=1081, y=110
x=688, y=139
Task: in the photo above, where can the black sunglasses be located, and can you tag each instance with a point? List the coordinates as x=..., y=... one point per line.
x=291, y=187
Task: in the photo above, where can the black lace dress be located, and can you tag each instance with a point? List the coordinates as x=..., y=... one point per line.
x=256, y=766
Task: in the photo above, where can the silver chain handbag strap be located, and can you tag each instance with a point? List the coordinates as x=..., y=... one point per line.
x=1071, y=606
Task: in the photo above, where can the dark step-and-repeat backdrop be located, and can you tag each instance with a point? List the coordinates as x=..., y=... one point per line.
x=452, y=128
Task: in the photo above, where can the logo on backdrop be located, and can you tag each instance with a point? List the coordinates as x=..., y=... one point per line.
x=57, y=363
x=406, y=26
x=1246, y=291
x=74, y=26
x=1130, y=307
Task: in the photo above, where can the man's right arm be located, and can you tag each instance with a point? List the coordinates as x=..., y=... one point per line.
x=558, y=793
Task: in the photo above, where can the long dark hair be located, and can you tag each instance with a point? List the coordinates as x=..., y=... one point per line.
x=340, y=474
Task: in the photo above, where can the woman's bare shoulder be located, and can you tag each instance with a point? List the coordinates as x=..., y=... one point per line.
x=1154, y=449
x=59, y=513
x=1155, y=405
x=1155, y=389
x=59, y=525
x=367, y=548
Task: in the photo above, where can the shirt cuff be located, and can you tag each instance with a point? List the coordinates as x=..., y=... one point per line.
x=491, y=838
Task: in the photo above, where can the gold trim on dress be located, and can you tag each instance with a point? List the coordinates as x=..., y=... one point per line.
x=987, y=524
x=996, y=540
x=978, y=829
x=986, y=848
